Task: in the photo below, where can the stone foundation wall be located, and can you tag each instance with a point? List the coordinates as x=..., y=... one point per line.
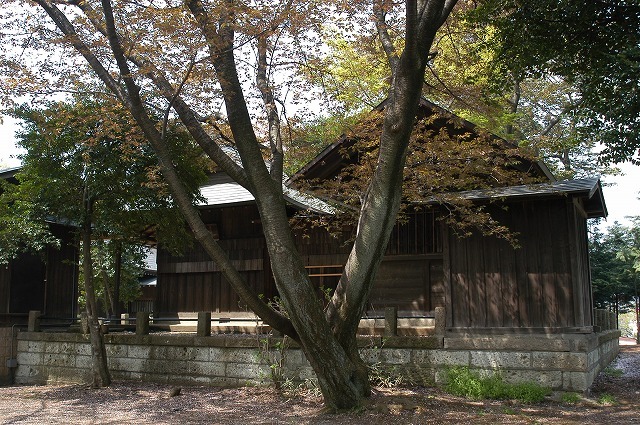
x=563, y=362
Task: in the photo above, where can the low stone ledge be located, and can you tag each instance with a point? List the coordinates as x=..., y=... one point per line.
x=511, y=343
x=428, y=342
x=52, y=337
x=608, y=336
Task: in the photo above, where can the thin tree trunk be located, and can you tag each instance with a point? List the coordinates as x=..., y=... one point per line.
x=100, y=372
x=117, y=279
x=108, y=296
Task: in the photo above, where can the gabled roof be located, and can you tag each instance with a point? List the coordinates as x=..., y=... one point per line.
x=221, y=189
x=328, y=162
x=590, y=190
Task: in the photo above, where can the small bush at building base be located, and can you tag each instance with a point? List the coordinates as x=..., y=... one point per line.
x=462, y=381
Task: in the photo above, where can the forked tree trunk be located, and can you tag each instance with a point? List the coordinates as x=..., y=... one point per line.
x=331, y=349
x=99, y=370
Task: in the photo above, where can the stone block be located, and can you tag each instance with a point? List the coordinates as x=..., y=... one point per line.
x=167, y=367
x=83, y=362
x=248, y=342
x=29, y=358
x=395, y=355
x=510, y=343
x=371, y=355
x=200, y=354
x=369, y=341
x=64, y=375
x=451, y=358
x=127, y=364
x=559, y=361
x=139, y=351
x=208, y=369
x=593, y=358
x=416, y=342
x=156, y=377
x=117, y=350
x=29, y=374
x=500, y=359
x=575, y=381
x=423, y=358
x=176, y=353
x=295, y=358
x=551, y=379
x=210, y=341
x=172, y=340
x=30, y=346
x=69, y=348
x=58, y=360
x=261, y=373
x=240, y=355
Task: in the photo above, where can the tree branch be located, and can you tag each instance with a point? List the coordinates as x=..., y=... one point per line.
x=268, y=314
x=186, y=114
x=275, y=137
x=383, y=34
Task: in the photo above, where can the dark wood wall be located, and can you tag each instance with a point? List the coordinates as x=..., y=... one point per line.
x=192, y=282
x=544, y=283
x=410, y=276
x=45, y=281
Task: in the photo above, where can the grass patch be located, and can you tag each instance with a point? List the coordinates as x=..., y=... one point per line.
x=613, y=372
x=462, y=381
x=570, y=398
x=607, y=399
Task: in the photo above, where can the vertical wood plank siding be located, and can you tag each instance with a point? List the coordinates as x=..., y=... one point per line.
x=410, y=276
x=543, y=283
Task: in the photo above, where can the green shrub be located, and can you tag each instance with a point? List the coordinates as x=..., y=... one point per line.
x=462, y=381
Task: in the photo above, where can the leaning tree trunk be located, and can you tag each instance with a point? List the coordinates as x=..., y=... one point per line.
x=100, y=372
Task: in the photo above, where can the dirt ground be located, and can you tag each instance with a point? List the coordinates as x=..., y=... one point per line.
x=144, y=403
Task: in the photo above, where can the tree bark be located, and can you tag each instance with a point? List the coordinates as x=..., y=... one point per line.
x=117, y=279
x=100, y=372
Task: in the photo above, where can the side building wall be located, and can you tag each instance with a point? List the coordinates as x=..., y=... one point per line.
x=568, y=362
x=542, y=284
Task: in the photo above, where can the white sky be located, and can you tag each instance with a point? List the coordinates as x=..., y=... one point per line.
x=621, y=199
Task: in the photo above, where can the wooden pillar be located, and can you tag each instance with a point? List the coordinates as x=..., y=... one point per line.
x=34, y=321
x=142, y=323
x=390, y=321
x=204, y=323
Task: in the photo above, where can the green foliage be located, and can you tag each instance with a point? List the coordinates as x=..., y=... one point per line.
x=91, y=150
x=103, y=254
x=613, y=372
x=594, y=47
x=462, y=381
x=607, y=400
x=570, y=398
x=614, y=278
x=18, y=233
